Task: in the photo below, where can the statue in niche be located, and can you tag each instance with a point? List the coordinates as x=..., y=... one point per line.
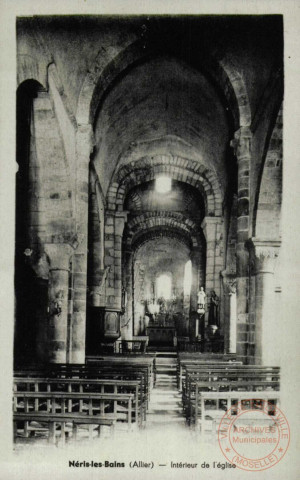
x=123, y=300
x=213, y=315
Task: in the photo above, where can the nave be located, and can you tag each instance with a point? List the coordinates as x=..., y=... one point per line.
x=148, y=226
x=158, y=399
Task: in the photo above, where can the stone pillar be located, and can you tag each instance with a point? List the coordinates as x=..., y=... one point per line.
x=95, y=269
x=84, y=145
x=197, y=326
x=196, y=265
x=229, y=312
x=42, y=320
x=120, y=219
x=232, y=322
x=114, y=226
x=126, y=320
x=96, y=272
x=109, y=256
x=213, y=231
x=59, y=257
x=242, y=149
x=267, y=345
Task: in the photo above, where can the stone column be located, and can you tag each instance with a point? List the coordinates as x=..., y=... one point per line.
x=120, y=219
x=196, y=265
x=242, y=149
x=59, y=257
x=213, y=231
x=94, y=257
x=126, y=319
x=114, y=226
x=84, y=145
x=42, y=320
x=109, y=256
x=229, y=312
x=197, y=326
x=232, y=321
x=266, y=332
x=96, y=272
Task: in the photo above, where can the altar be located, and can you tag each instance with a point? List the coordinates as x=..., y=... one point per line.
x=161, y=335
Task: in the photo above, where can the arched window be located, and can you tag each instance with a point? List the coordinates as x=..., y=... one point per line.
x=163, y=184
x=164, y=286
x=187, y=280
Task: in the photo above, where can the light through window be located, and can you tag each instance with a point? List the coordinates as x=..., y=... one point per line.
x=164, y=286
x=187, y=281
x=163, y=184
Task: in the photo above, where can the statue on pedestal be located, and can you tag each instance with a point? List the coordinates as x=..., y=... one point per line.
x=213, y=315
x=201, y=300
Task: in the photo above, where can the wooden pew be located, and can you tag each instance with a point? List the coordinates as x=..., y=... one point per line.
x=143, y=363
x=61, y=407
x=183, y=363
x=94, y=371
x=208, y=356
x=196, y=357
x=207, y=416
x=215, y=371
x=88, y=386
x=226, y=373
x=52, y=420
x=192, y=402
x=138, y=360
x=231, y=372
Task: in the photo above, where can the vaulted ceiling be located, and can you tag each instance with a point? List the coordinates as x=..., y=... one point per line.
x=159, y=99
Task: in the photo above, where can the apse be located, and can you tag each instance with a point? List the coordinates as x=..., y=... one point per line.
x=158, y=272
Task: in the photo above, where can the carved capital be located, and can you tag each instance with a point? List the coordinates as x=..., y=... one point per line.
x=263, y=254
x=70, y=238
x=59, y=255
x=229, y=282
x=40, y=266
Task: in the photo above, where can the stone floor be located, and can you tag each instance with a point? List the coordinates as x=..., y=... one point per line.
x=165, y=407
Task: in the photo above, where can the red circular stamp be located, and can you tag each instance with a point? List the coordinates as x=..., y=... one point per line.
x=254, y=434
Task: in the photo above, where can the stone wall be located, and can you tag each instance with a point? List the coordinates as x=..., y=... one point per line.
x=114, y=106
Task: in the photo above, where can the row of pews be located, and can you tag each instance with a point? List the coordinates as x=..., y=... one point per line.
x=211, y=385
x=65, y=401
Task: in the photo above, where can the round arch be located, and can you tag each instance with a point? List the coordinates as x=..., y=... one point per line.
x=180, y=169
x=137, y=241
x=29, y=70
x=171, y=220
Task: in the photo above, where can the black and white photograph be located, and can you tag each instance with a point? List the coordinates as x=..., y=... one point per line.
x=151, y=318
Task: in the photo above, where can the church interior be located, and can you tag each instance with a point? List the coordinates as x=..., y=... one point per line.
x=148, y=220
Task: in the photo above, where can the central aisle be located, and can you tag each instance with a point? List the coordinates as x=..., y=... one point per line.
x=165, y=408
